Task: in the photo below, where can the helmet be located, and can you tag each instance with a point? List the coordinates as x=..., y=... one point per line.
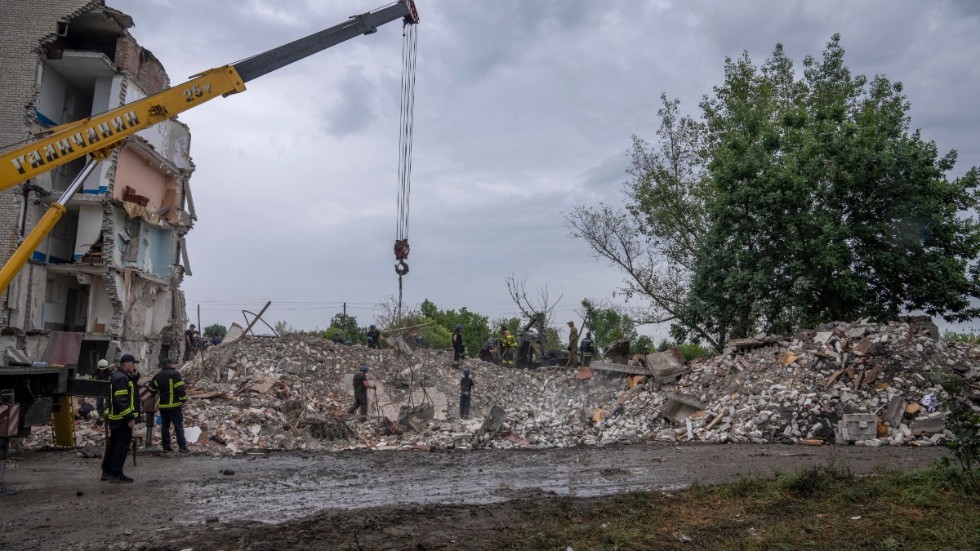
x=466, y=371
x=103, y=364
x=371, y=328
x=364, y=369
x=459, y=326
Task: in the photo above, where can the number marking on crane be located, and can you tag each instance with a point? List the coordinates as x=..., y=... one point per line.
x=196, y=91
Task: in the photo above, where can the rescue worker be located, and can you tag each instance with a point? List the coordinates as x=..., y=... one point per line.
x=572, y=345
x=507, y=345
x=588, y=348
x=190, y=341
x=361, y=386
x=102, y=374
x=458, y=349
x=373, y=337
x=122, y=414
x=169, y=386
x=465, y=394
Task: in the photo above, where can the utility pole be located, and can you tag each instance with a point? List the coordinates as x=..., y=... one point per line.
x=345, y=309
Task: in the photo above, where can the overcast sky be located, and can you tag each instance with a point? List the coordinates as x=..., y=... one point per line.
x=524, y=109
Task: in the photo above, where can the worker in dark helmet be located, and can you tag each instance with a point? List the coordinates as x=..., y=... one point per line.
x=587, y=348
x=124, y=410
x=458, y=349
x=169, y=385
x=361, y=386
x=465, y=394
x=373, y=337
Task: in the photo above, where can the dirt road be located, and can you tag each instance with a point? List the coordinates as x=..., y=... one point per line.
x=177, y=501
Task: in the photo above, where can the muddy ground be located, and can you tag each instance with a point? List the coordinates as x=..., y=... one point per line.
x=363, y=499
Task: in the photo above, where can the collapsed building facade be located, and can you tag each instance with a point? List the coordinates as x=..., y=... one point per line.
x=107, y=278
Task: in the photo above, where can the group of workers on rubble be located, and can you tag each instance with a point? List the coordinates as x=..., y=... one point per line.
x=504, y=352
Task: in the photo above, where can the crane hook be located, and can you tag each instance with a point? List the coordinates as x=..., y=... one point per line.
x=401, y=255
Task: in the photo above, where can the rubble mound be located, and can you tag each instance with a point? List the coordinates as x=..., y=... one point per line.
x=800, y=388
x=863, y=382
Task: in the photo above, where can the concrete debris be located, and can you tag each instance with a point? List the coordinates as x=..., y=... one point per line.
x=863, y=383
x=855, y=427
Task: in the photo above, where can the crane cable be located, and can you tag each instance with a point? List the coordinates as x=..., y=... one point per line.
x=406, y=123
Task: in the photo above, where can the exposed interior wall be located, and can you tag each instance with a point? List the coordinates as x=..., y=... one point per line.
x=145, y=177
x=51, y=99
x=158, y=249
x=66, y=303
x=59, y=246
x=89, y=229
x=100, y=307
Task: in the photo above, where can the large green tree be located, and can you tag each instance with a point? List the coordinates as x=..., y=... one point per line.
x=826, y=206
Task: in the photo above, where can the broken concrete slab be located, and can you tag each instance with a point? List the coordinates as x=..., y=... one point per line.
x=16, y=357
x=894, y=411
x=234, y=333
x=611, y=367
x=491, y=423
x=680, y=407
x=928, y=425
x=855, y=427
x=862, y=347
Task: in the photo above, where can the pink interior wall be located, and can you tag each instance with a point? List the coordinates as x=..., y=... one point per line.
x=134, y=171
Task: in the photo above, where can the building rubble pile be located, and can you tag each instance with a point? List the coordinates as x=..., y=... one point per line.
x=799, y=389
x=293, y=393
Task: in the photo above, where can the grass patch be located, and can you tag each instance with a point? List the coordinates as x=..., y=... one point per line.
x=820, y=508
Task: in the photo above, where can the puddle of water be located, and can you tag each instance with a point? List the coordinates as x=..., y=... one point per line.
x=305, y=487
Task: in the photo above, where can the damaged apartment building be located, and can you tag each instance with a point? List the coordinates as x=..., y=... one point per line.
x=106, y=280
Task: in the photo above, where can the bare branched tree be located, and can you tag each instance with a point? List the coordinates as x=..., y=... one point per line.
x=389, y=316
x=541, y=304
x=653, y=239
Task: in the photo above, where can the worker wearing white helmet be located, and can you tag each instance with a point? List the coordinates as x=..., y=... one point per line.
x=103, y=373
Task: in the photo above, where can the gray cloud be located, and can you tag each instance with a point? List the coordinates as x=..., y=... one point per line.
x=523, y=110
x=352, y=110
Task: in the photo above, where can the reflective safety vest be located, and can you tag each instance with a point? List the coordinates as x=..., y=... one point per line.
x=122, y=402
x=173, y=393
